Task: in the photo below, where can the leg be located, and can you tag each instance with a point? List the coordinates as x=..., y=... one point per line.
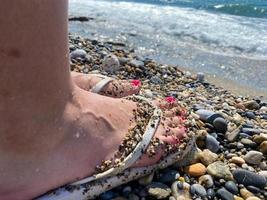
x=51, y=131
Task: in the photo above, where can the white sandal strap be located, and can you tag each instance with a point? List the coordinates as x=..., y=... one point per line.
x=136, y=153
x=100, y=85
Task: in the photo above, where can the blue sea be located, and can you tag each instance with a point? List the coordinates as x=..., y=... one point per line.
x=226, y=39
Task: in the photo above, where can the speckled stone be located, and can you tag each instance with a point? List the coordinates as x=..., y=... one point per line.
x=253, y=157
x=219, y=170
x=207, y=157
x=158, y=190
x=206, y=181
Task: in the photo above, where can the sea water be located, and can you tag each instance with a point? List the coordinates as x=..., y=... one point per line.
x=226, y=39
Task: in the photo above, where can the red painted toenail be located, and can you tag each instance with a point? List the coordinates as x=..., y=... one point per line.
x=136, y=83
x=170, y=99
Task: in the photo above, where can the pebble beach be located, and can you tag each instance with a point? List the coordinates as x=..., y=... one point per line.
x=230, y=130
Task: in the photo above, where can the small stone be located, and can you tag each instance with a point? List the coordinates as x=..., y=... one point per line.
x=248, y=142
x=238, y=198
x=158, y=190
x=210, y=193
x=111, y=63
x=253, y=189
x=251, y=105
x=250, y=115
x=220, y=125
x=260, y=138
x=156, y=80
x=247, y=178
x=196, y=170
x=206, y=181
x=146, y=180
x=180, y=193
x=78, y=53
x=263, y=173
x=207, y=157
x=233, y=135
x=212, y=144
x=204, y=114
x=168, y=176
x=200, y=76
x=245, y=193
x=253, y=157
x=133, y=196
x=251, y=131
x=107, y=195
x=237, y=160
x=198, y=190
x=231, y=187
x=224, y=194
x=137, y=63
x=253, y=198
x=219, y=170
x=263, y=147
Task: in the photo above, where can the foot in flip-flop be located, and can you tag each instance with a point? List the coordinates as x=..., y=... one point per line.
x=107, y=86
x=66, y=144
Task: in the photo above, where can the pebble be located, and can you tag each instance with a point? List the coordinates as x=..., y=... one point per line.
x=253, y=198
x=231, y=187
x=253, y=157
x=198, y=190
x=251, y=105
x=137, y=63
x=250, y=115
x=237, y=160
x=260, y=138
x=253, y=189
x=133, y=196
x=245, y=193
x=156, y=80
x=206, y=181
x=210, y=193
x=263, y=147
x=200, y=76
x=233, y=135
x=263, y=173
x=248, y=142
x=107, y=195
x=196, y=170
x=220, y=125
x=180, y=193
x=168, y=176
x=204, y=114
x=78, y=53
x=146, y=180
x=212, y=144
x=207, y=157
x=247, y=178
x=238, y=198
x=158, y=190
x=219, y=170
x=111, y=63
x=251, y=131
x=224, y=194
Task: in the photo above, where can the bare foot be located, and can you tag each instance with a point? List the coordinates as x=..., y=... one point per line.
x=116, y=88
x=57, y=148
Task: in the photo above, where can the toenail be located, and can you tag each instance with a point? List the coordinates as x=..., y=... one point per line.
x=136, y=83
x=170, y=99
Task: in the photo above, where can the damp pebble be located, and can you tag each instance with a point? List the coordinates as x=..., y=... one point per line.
x=158, y=190
x=220, y=125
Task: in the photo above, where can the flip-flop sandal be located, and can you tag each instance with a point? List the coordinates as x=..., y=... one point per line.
x=95, y=185
x=101, y=84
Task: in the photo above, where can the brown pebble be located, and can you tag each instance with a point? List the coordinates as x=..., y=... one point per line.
x=196, y=170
